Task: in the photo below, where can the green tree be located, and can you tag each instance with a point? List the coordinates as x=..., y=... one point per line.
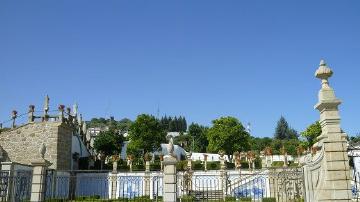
x=124, y=125
x=311, y=133
x=228, y=134
x=258, y=144
x=146, y=135
x=283, y=131
x=184, y=140
x=198, y=134
x=289, y=145
x=108, y=142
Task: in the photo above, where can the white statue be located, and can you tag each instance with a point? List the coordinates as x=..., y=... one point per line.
x=170, y=147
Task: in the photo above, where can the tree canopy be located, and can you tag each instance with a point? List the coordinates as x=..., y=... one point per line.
x=145, y=135
x=228, y=134
x=311, y=133
x=122, y=126
x=108, y=142
x=283, y=131
x=174, y=124
x=199, y=136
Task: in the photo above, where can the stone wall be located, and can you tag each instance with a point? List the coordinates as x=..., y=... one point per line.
x=22, y=144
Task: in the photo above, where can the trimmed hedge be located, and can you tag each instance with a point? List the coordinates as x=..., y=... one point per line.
x=245, y=199
x=269, y=199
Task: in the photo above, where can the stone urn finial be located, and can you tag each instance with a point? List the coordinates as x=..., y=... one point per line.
x=324, y=73
x=42, y=150
x=46, y=104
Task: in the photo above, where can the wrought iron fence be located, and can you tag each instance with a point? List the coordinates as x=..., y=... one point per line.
x=355, y=185
x=76, y=185
x=102, y=186
x=16, y=186
x=140, y=186
x=276, y=185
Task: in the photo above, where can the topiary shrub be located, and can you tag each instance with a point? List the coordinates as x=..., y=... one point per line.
x=198, y=165
x=269, y=199
x=258, y=163
x=277, y=164
x=181, y=165
x=187, y=198
x=213, y=165
x=229, y=165
x=245, y=199
x=230, y=199
x=155, y=166
x=244, y=165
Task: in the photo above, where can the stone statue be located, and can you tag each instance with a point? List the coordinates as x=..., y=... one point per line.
x=170, y=147
x=46, y=104
x=42, y=150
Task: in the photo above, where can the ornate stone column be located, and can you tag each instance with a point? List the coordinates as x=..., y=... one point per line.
x=327, y=175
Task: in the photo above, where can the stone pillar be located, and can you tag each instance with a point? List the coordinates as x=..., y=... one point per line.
x=147, y=178
x=170, y=178
x=113, y=181
x=38, y=180
x=161, y=163
x=327, y=175
x=188, y=157
x=223, y=174
x=285, y=160
x=205, y=162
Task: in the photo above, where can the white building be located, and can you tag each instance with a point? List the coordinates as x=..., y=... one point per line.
x=210, y=157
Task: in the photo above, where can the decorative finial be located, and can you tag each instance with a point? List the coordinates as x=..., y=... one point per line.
x=324, y=73
x=75, y=109
x=46, y=104
x=42, y=150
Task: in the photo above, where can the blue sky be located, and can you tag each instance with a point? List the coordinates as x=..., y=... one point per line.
x=254, y=60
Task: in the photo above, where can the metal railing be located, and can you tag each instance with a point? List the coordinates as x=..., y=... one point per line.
x=15, y=186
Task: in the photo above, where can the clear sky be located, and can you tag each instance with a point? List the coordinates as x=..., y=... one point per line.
x=254, y=60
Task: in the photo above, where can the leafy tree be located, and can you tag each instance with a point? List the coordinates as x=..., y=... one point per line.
x=259, y=144
x=228, y=134
x=354, y=139
x=199, y=139
x=290, y=146
x=176, y=124
x=146, y=135
x=124, y=125
x=283, y=131
x=311, y=133
x=184, y=140
x=108, y=142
